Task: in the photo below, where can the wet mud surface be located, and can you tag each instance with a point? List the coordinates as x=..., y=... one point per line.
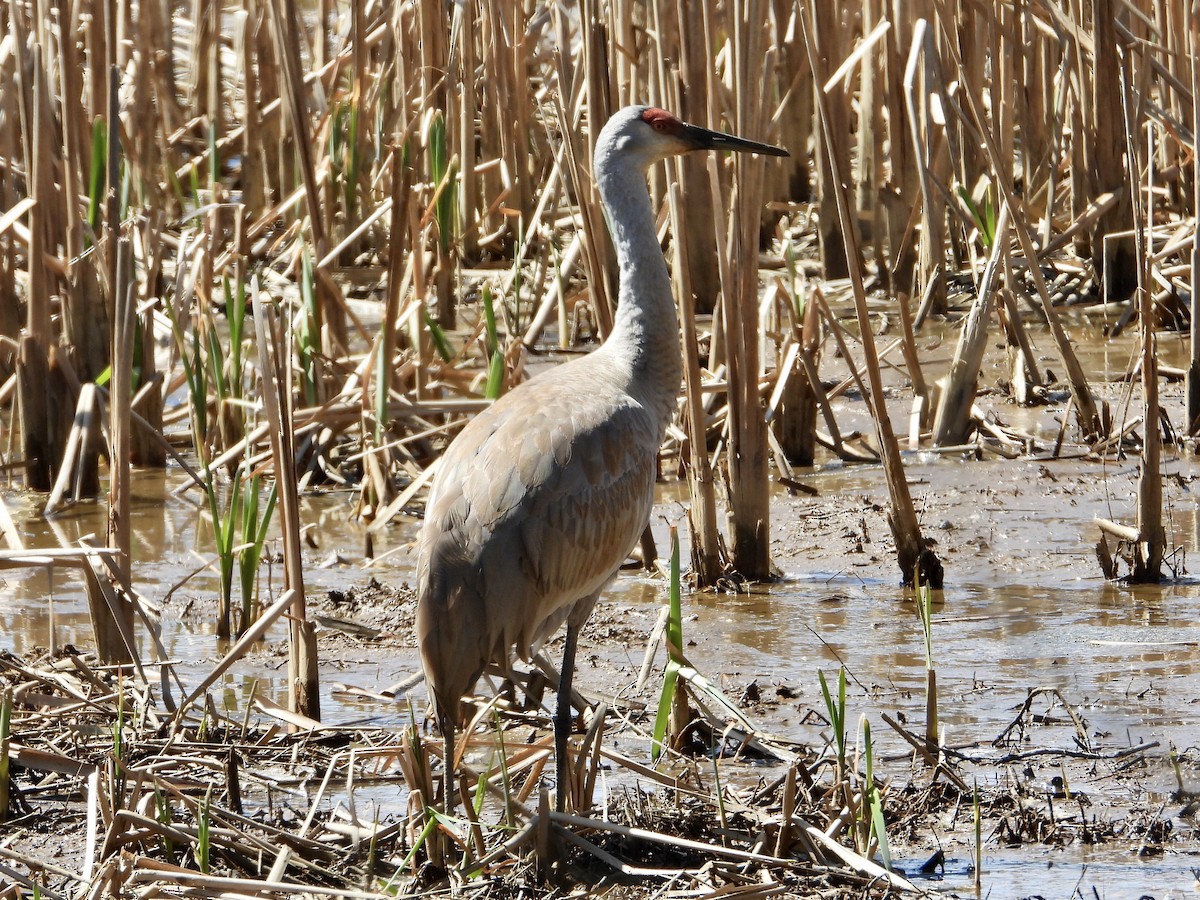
x=1071, y=702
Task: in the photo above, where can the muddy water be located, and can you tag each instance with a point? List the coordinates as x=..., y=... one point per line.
x=1024, y=608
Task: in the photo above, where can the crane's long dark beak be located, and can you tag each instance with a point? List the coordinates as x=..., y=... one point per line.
x=705, y=139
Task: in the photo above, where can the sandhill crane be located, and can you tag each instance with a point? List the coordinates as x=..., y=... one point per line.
x=542, y=496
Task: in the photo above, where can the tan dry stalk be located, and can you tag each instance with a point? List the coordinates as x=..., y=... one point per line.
x=1151, y=532
x=917, y=90
x=276, y=364
x=596, y=98
x=828, y=39
x=952, y=423
x=331, y=318
x=910, y=544
x=1115, y=260
x=120, y=397
x=869, y=137
x=112, y=613
x=800, y=392
x=42, y=398
x=899, y=197
x=737, y=240
x=1193, y=375
x=707, y=549
x=1085, y=404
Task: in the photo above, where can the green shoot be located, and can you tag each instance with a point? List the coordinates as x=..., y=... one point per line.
x=254, y=536
x=382, y=382
x=983, y=218
x=96, y=175
x=675, y=658
x=5, y=720
x=719, y=793
x=235, y=314
x=431, y=824
x=837, y=718
x=495, y=381
x=373, y=845
x=872, y=803
x=118, y=730
x=308, y=335
x=445, y=201
x=440, y=342
x=925, y=608
x=505, y=779
x=203, y=837
x=163, y=809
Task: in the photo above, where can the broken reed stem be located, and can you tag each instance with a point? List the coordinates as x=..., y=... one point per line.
x=952, y=422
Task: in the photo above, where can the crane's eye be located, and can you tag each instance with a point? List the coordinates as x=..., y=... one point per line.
x=659, y=125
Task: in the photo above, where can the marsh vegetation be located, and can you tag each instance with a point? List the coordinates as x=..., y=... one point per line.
x=279, y=250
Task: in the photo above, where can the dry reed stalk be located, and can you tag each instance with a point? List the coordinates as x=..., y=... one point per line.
x=1151, y=532
x=917, y=562
x=1085, y=404
x=798, y=389
x=707, y=550
x=828, y=38
x=43, y=399
x=898, y=196
x=747, y=64
x=10, y=145
x=466, y=100
x=1193, y=374
x=869, y=136
x=919, y=84
x=275, y=368
x=596, y=97
x=120, y=398
x=1115, y=260
x=691, y=102
x=330, y=326
x=958, y=393
x=708, y=561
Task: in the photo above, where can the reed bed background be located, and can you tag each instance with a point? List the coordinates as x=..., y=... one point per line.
x=287, y=245
x=407, y=185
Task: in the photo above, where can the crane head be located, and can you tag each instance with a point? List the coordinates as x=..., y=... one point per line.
x=651, y=134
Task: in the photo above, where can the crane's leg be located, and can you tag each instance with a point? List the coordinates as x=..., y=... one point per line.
x=449, y=781
x=562, y=713
x=562, y=718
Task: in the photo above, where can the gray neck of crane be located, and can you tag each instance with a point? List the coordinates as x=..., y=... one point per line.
x=645, y=331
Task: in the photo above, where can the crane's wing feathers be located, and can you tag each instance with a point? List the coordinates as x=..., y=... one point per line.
x=537, y=503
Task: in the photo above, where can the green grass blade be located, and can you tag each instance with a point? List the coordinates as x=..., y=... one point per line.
x=665, y=700
x=874, y=801
x=440, y=343
x=96, y=175
x=675, y=660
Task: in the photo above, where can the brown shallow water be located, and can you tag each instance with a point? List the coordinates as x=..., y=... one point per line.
x=1024, y=608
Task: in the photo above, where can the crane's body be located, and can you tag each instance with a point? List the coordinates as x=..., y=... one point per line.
x=542, y=496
